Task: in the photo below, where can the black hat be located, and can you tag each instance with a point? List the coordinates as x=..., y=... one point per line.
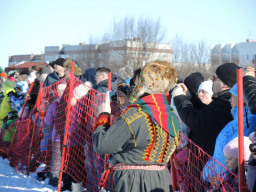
x=199, y=75
x=192, y=82
x=227, y=73
x=60, y=62
x=52, y=63
x=25, y=72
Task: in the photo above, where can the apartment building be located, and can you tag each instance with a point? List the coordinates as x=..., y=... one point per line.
x=243, y=54
x=123, y=52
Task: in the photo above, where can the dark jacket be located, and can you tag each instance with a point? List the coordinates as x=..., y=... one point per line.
x=51, y=79
x=205, y=121
x=89, y=75
x=102, y=87
x=249, y=84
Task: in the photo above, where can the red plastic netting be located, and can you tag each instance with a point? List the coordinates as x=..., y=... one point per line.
x=195, y=170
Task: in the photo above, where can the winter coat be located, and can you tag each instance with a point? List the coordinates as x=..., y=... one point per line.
x=5, y=108
x=134, y=139
x=249, y=84
x=251, y=174
x=102, y=87
x=205, y=121
x=51, y=79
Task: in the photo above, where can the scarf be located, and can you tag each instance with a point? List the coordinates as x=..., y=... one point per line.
x=158, y=108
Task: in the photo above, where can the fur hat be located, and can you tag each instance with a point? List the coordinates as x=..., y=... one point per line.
x=60, y=62
x=231, y=148
x=155, y=77
x=227, y=73
x=68, y=64
x=125, y=73
x=206, y=86
x=192, y=82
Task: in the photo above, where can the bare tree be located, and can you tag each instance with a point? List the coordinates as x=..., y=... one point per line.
x=134, y=41
x=89, y=56
x=191, y=57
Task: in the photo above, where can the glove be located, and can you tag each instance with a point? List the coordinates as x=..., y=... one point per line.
x=105, y=106
x=177, y=91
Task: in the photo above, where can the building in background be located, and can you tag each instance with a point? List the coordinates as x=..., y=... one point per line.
x=28, y=58
x=111, y=54
x=243, y=54
x=23, y=65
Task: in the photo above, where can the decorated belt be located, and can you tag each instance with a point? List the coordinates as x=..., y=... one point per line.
x=121, y=166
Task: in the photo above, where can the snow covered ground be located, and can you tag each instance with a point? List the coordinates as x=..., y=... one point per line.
x=11, y=181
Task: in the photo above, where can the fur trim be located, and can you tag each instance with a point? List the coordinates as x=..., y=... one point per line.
x=156, y=77
x=77, y=70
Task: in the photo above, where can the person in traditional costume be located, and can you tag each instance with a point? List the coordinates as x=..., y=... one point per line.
x=143, y=137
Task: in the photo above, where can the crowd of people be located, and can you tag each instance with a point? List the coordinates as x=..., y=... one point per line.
x=154, y=107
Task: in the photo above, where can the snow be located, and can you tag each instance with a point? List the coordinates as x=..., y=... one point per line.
x=11, y=181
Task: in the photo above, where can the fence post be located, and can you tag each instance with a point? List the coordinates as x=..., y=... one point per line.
x=174, y=180
x=23, y=108
x=240, y=128
x=38, y=102
x=67, y=124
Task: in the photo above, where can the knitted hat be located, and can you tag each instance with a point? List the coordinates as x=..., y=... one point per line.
x=206, y=86
x=22, y=86
x=233, y=90
x=192, y=82
x=231, y=148
x=125, y=73
x=155, y=77
x=60, y=62
x=199, y=75
x=227, y=73
x=3, y=75
x=11, y=78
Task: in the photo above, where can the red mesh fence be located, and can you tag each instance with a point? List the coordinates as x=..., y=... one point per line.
x=19, y=149
x=195, y=170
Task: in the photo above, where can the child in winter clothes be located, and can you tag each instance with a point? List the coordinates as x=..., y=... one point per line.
x=17, y=98
x=231, y=153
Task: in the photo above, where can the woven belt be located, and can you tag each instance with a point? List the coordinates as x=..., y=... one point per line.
x=121, y=166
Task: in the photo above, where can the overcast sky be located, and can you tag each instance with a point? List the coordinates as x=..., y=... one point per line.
x=27, y=26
